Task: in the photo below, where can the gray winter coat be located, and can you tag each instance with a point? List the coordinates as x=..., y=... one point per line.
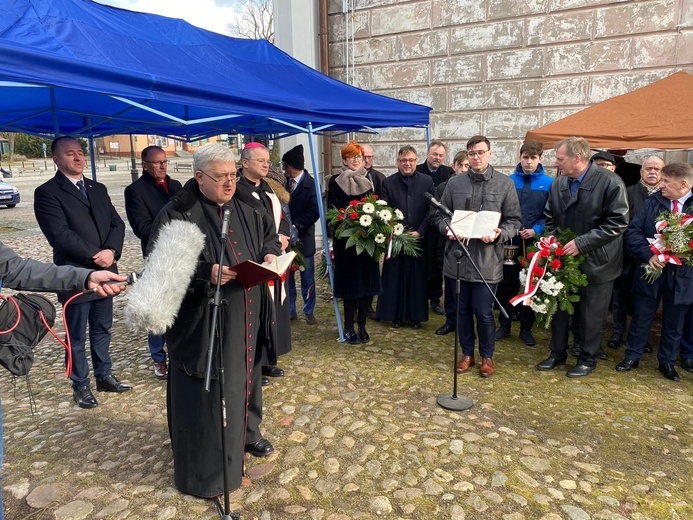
x=490, y=191
x=24, y=274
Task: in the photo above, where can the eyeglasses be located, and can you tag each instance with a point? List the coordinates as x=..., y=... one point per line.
x=480, y=153
x=354, y=158
x=229, y=177
x=367, y=156
x=407, y=160
x=158, y=163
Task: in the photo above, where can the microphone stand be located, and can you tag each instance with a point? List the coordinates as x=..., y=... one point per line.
x=215, y=338
x=453, y=401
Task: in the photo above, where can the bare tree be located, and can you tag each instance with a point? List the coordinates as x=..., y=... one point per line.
x=255, y=20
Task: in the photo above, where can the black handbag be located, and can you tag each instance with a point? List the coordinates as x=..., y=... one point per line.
x=22, y=328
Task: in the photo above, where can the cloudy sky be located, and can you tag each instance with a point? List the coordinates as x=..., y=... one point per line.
x=213, y=15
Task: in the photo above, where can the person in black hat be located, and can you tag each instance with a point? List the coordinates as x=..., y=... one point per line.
x=604, y=160
x=303, y=206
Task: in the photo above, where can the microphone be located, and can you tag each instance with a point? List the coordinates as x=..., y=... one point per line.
x=226, y=218
x=437, y=205
x=130, y=280
x=154, y=301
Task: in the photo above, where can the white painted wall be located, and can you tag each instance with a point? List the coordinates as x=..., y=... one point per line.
x=296, y=32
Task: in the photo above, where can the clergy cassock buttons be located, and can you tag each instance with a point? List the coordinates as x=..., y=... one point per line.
x=235, y=243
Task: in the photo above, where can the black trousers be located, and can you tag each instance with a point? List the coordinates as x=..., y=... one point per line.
x=591, y=316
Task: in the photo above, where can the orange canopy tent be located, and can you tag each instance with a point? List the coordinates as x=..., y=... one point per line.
x=658, y=116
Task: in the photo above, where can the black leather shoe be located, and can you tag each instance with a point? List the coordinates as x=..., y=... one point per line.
x=437, y=308
x=601, y=353
x=627, y=365
x=615, y=340
x=415, y=324
x=648, y=348
x=351, y=337
x=265, y=381
x=261, y=448
x=669, y=371
x=111, y=384
x=551, y=362
x=363, y=335
x=580, y=370
x=687, y=365
x=396, y=324
x=272, y=371
x=575, y=351
x=502, y=332
x=84, y=398
x=445, y=329
x=527, y=337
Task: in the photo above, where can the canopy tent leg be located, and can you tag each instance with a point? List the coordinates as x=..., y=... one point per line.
x=54, y=111
x=323, y=226
x=428, y=136
x=92, y=157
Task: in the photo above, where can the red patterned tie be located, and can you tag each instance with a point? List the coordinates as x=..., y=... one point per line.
x=675, y=206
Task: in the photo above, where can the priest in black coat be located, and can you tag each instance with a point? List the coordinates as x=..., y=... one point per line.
x=404, y=297
x=194, y=415
x=435, y=244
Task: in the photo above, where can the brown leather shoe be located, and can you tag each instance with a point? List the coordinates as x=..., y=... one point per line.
x=486, y=369
x=465, y=363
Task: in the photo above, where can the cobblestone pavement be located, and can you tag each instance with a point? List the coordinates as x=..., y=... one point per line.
x=357, y=430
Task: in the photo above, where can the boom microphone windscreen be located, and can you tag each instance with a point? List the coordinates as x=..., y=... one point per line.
x=154, y=301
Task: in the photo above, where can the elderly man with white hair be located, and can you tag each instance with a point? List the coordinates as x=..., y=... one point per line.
x=195, y=415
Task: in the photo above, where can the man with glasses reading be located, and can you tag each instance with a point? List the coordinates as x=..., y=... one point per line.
x=144, y=198
x=194, y=415
x=481, y=188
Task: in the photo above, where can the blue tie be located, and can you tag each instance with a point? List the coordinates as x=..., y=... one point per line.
x=83, y=189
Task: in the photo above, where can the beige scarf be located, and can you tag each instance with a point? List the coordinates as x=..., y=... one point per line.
x=354, y=182
x=650, y=189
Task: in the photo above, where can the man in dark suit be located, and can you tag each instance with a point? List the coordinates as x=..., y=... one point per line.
x=590, y=201
x=373, y=175
x=84, y=229
x=303, y=207
x=673, y=287
x=433, y=166
x=144, y=198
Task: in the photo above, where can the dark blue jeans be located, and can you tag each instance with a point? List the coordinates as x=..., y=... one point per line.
x=156, y=347
x=99, y=315
x=307, y=287
x=477, y=302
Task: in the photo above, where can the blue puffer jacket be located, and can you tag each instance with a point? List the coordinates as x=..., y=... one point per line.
x=532, y=202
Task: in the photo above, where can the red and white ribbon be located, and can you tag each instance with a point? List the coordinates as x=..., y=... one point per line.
x=532, y=282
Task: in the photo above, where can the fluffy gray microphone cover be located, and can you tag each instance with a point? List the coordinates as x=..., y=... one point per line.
x=154, y=301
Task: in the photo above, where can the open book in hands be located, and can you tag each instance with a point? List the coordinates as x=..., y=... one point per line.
x=251, y=273
x=473, y=224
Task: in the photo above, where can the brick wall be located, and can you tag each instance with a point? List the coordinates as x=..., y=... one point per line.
x=503, y=67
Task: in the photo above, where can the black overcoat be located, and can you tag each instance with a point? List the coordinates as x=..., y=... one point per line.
x=193, y=413
x=355, y=276
x=405, y=293
x=144, y=198
x=77, y=228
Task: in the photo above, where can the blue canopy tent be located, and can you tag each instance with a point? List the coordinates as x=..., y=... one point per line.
x=80, y=68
